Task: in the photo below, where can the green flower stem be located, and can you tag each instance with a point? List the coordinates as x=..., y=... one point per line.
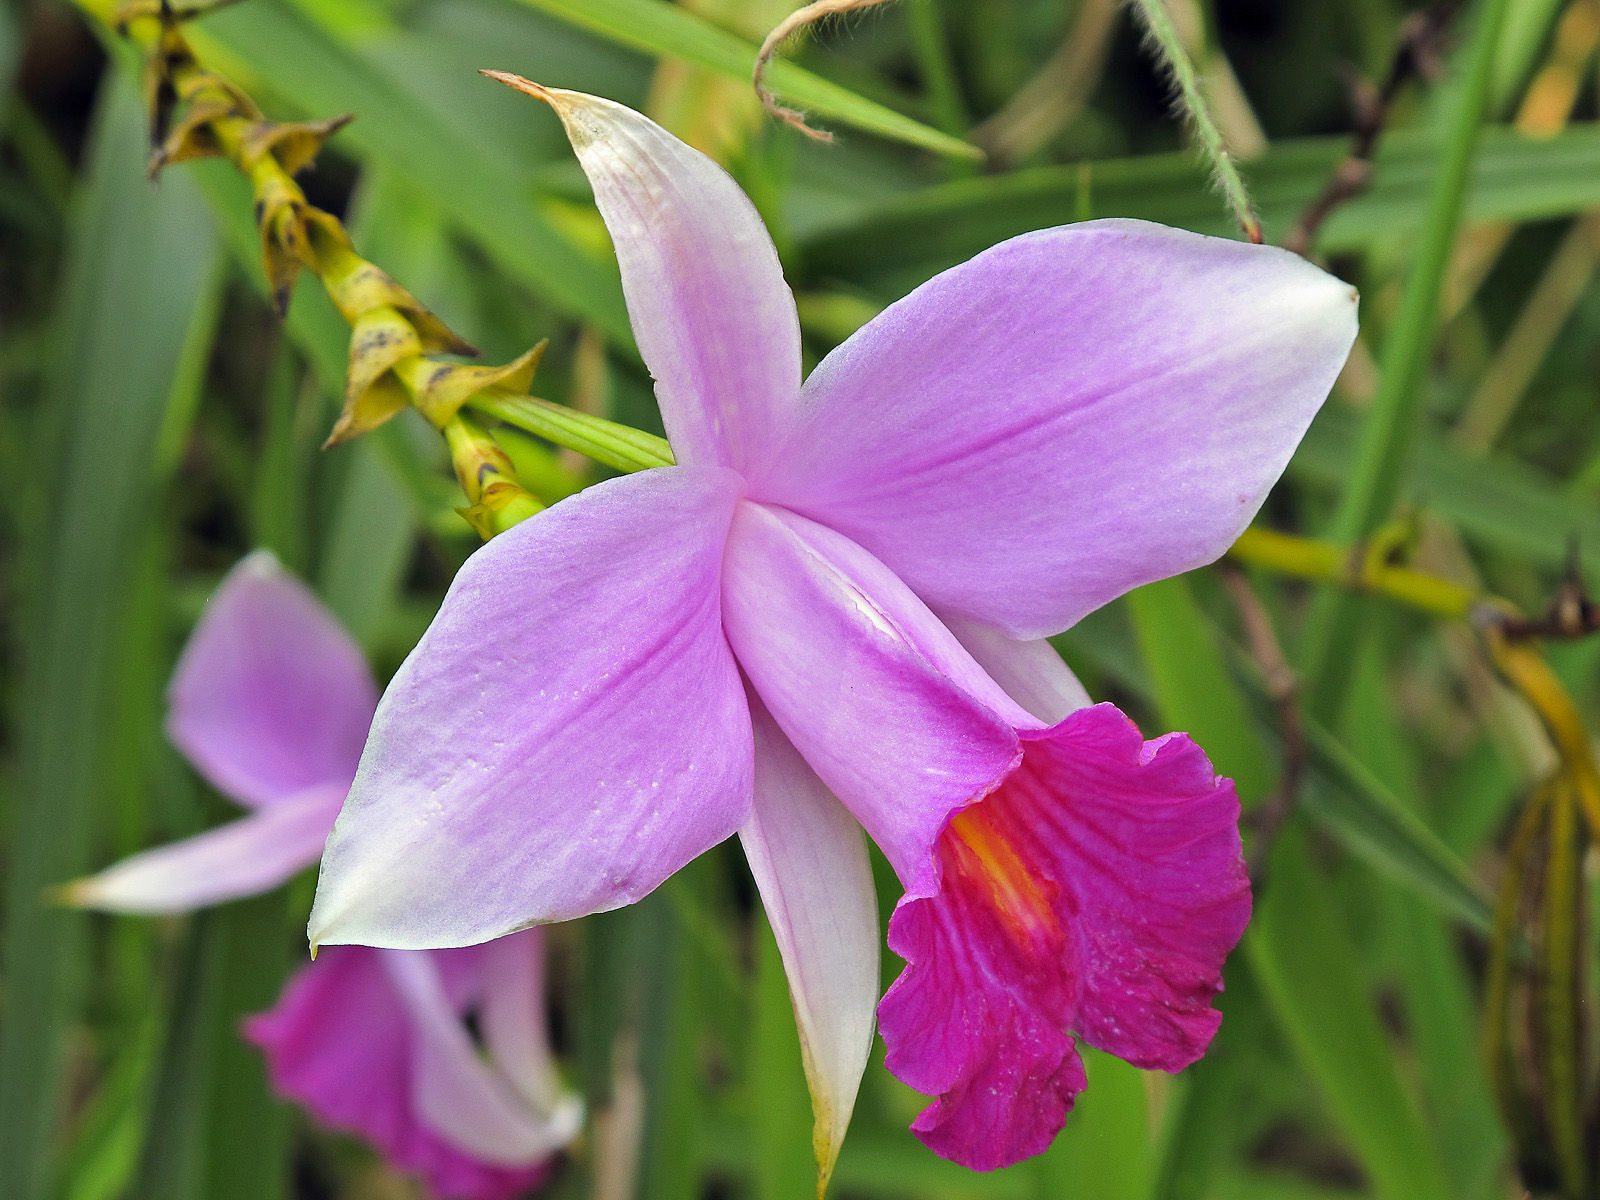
x=620, y=447
x=1517, y=658
x=937, y=67
x=1386, y=438
x=297, y=235
x=1164, y=37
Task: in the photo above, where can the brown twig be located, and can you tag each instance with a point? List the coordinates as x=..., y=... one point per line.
x=787, y=28
x=1422, y=38
x=1571, y=613
x=1283, y=689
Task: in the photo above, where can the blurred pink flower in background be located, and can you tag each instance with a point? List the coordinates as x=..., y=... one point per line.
x=271, y=701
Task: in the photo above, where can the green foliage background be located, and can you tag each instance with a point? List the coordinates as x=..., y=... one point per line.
x=157, y=423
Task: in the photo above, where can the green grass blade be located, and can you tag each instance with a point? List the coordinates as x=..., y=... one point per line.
x=1192, y=686
x=782, y=1166
x=1105, y=1149
x=1314, y=978
x=10, y=49
x=1496, y=501
x=1371, y=821
x=140, y=263
x=1299, y=952
x=1392, y=418
x=246, y=1128
x=676, y=32
x=897, y=243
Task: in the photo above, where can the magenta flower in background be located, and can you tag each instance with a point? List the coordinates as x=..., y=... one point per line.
x=829, y=616
x=271, y=701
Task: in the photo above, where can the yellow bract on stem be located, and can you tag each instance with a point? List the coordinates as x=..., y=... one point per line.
x=395, y=340
x=488, y=478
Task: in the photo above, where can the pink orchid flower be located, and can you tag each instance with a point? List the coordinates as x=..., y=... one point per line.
x=271, y=701
x=828, y=617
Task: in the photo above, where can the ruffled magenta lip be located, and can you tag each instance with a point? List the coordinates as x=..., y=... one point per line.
x=1094, y=894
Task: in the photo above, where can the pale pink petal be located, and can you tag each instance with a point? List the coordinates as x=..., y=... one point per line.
x=270, y=695
x=877, y=696
x=515, y=1032
x=570, y=731
x=714, y=319
x=341, y=1043
x=1094, y=893
x=242, y=858
x=466, y=1099
x=1030, y=671
x=1068, y=415
x=810, y=863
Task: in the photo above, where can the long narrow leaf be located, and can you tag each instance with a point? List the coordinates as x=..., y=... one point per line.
x=141, y=261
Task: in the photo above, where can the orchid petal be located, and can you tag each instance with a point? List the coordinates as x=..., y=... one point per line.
x=515, y=1031
x=242, y=858
x=270, y=696
x=873, y=691
x=810, y=864
x=1070, y=414
x=569, y=732
x=341, y=1043
x=456, y=1093
x=713, y=317
x=1096, y=891
x=1031, y=671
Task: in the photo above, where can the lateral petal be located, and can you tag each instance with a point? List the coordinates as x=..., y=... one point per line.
x=1095, y=892
x=242, y=858
x=341, y=1042
x=1030, y=670
x=713, y=317
x=515, y=1032
x=1068, y=415
x=810, y=863
x=270, y=696
x=876, y=695
x=465, y=1099
x=570, y=731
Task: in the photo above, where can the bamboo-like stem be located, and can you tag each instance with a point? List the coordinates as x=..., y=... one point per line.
x=1326, y=562
x=395, y=341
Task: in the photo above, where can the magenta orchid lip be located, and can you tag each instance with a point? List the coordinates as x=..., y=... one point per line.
x=1025, y=437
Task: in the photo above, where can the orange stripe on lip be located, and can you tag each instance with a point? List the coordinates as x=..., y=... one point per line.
x=983, y=856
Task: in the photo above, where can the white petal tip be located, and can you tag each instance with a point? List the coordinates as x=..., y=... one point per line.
x=262, y=563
